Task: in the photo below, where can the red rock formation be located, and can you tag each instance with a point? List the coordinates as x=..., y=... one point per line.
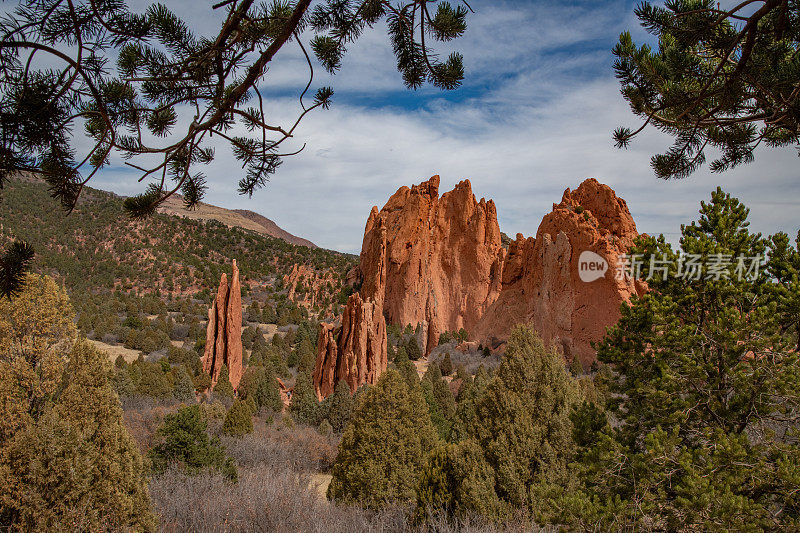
x=434, y=261
x=541, y=285
x=355, y=352
x=224, y=331
x=311, y=281
x=438, y=262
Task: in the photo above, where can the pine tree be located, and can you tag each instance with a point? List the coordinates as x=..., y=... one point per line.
x=384, y=447
x=131, y=107
x=707, y=384
x=183, y=440
x=721, y=78
x=784, y=267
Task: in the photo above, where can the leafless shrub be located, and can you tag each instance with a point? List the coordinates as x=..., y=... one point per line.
x=274, y=446
x=265, y=499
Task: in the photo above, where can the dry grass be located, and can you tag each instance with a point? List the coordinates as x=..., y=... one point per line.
x=114, y=351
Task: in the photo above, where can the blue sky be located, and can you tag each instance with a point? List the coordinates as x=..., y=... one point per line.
x=534, y=116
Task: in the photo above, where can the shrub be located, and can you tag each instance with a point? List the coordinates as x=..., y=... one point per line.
x=446, y=365
x=304, y=406
x=384, y=446
x=223, y=389
x=184, y=386
x=338, y=407
x=457, y=480
x=325, y=428
x=153, y=382
x=239, y=420
x=183, y=440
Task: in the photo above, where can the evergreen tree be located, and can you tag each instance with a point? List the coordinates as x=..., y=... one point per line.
x=183, y=389
x=413, y=350
x=721, y=78
x=153, y=382
x=267, y=396
x=223, y=389
x=65, y=455
x=304, y=406
x=458, y=480
x=707, y=385
x=183, y=440
x=446, y=365
x=338, y=407
x=239, y=420
x=384, y=447
x=522, y=418
x=440, y=400
x=784, y=267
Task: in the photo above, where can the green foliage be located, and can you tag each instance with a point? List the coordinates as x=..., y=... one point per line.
x=338, y=407
x=183, y=390
x=406, y=367
x=384, y=447
x=446, y=365
x=305, y=407
x=179, y=356
x=14, y=264
x=706, y=384
x=153, y=381
x=720, y=79
x=784, y=267
x=440, y=400
x=239, y=420
x=223, y=388
x=183, y=440
x=458, y=480
x=65, y=455
x=522, y=418
x=325, y=428
x=413, y=351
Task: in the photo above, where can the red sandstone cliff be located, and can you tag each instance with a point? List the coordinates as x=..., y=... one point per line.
x=224, y=331
x=431, y=260
x=541, y=285
x=438, y=261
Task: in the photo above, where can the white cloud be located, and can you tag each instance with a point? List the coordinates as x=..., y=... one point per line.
x=543, y=124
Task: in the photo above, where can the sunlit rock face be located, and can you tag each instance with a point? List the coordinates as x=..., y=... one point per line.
x=438, y=262
x=224, y=331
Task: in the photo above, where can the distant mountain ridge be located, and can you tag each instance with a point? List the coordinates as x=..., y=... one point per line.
x=241, y=218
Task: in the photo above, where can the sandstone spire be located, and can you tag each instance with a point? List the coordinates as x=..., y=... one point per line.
x=224, y=331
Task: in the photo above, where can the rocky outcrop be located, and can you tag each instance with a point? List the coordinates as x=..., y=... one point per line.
x=306, y=286
x=355, y=352
x=438, y=262
x=541, y=284
x=224, y=331
x=433, y=261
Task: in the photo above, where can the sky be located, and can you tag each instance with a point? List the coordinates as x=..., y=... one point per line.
x=534, y=116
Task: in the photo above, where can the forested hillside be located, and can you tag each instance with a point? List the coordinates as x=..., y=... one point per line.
x=120, y=271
